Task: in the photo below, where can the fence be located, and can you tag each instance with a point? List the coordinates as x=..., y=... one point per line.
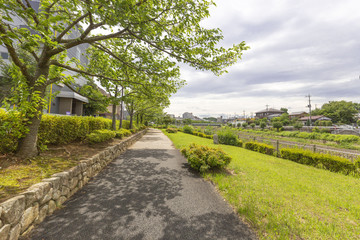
x=278, y=145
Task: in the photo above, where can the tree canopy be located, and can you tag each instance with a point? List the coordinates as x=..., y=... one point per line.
x=131, y=31
x=340, y=111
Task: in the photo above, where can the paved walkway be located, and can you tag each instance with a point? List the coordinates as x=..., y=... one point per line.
x=146, y=193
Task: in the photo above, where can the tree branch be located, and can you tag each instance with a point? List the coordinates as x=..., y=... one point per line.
x=164, y=50
x=15, y=58
x=29, y=6
x=68, y=28
x=56, y=63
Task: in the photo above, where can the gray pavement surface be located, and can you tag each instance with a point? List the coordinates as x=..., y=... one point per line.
x=148, y=192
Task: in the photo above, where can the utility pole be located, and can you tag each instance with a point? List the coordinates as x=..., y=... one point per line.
x=267, y=107
x=309, y=106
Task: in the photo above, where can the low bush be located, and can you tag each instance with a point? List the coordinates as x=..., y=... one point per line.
x=346, y=138
x=260, y=147
x=122, y=133
x=326, y=161
x=229, y=137
x=100, y=136
x=203, y=158
x=171, y=130
x=188, y=129
x=11, y=129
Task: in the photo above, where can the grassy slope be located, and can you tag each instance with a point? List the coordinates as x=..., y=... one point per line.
x=285, y=200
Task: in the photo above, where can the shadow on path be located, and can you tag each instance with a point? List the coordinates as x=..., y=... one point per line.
x=145, y=194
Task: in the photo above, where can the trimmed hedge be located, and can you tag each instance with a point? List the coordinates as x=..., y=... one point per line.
x=53, y=129
x=67, y=129
x=203, y=158
x=171, y=130
x=326, y=161
x=100, y=136
x=260, y=147
x=11, y=129
x=122, y=133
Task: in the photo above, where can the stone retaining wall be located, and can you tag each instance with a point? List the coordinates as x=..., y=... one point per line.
x=19, y=214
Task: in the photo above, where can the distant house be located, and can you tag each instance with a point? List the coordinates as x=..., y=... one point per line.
x=314, y=119
x=297, y=115
x=188, y=115
x=267, y=112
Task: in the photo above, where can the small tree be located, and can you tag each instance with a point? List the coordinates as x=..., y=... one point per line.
x=167, y=120
x=298, y=125
x=277, y=125
x=262, y=125
x=244, y=125
x=252, y=125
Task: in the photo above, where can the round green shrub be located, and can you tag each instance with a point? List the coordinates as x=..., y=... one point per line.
x=171, y=130
x=203, y=158
x=188, y=129
x=100, y=136
x=228, y=137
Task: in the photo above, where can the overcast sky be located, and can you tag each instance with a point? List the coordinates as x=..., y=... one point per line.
x=297, y=48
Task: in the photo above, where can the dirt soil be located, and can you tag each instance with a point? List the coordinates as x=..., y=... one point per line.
x=75, y=151
x=66, y=156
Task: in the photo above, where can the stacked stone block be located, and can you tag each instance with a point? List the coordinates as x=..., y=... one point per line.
x=19, y=214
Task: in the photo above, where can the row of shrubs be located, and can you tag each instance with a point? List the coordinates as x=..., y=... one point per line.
x=103, y=135
x=325, y=161
x=260, y=147
x=203, y=158
x=52, y=130
x=313, y=135
x=190, y=130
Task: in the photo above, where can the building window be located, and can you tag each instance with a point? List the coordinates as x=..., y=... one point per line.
x=4, y=55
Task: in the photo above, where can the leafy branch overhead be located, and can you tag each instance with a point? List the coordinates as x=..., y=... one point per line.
x=146, y=37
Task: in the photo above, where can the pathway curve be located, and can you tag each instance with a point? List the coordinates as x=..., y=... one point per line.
x=146, y=193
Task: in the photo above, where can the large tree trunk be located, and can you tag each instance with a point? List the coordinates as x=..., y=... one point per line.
x=121, y=108
x=114, y=117
x=131, y=119
x=121, y=115
x=27, y=146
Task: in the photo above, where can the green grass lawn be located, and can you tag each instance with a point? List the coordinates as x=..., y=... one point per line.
x=285, y=200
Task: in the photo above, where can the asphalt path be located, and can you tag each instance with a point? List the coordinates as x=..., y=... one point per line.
x=148, y=192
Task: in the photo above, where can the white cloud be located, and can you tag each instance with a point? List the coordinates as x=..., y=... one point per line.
x=297, y=47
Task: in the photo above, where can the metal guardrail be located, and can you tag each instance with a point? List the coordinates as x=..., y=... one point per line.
x=278, y=145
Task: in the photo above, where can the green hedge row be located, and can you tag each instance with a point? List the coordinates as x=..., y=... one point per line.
x=190, y=130
x=101, y=135
x=260, y=147
x=122, y=133
x=203, y=158
x=326, y=161
x=67, y=129
x=53, y=129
